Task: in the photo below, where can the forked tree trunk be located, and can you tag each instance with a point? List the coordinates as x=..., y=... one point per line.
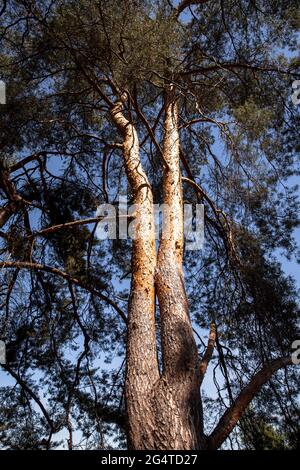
x=177, y=398
x=163, y=412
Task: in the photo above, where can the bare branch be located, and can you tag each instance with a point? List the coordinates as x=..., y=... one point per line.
x=33, y=395
x=235, y=411
x=236, y=65
x=188, y=3
x=6, y=212
x=208, y=352
x=150, y=131
x=3, y=8
x=68, y=277
x=36, y=156
x=223, y=228
x=75, y=223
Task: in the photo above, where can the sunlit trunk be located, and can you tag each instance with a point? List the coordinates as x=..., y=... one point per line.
x=177, y=396
x=141, y=361
x=162, y=412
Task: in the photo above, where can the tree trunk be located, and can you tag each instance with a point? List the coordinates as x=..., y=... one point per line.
x=163, y=412
x=141, y=360
x=176, y=401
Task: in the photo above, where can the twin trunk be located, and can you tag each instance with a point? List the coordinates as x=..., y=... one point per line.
x=163, y=409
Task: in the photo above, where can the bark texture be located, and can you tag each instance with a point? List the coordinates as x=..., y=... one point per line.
x=209, y=351
x=164, y=410
x=176, y=400
x=141, y=362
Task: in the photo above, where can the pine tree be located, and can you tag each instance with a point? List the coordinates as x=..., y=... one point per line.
x=171, y=104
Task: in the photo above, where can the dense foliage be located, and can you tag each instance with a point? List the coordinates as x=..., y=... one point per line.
x=233, y=63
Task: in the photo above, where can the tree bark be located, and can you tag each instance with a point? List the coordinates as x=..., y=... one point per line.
x=141, y=362
x=209, y=351
x=164, y=411
x=176, y=400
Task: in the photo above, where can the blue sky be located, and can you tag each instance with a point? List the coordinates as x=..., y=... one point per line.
x=290, y=267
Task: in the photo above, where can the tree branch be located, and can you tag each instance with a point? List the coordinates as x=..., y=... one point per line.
x=235, y=411
x=35, y=397
x=6, y=212
x=15, y=201
x=150, y=131
x=188, y=3
x=75, y=223
x=3, y=8
x=36, y=156
x=236, y=65
x=64, y=275
x=223, y=228
x=208, y=352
